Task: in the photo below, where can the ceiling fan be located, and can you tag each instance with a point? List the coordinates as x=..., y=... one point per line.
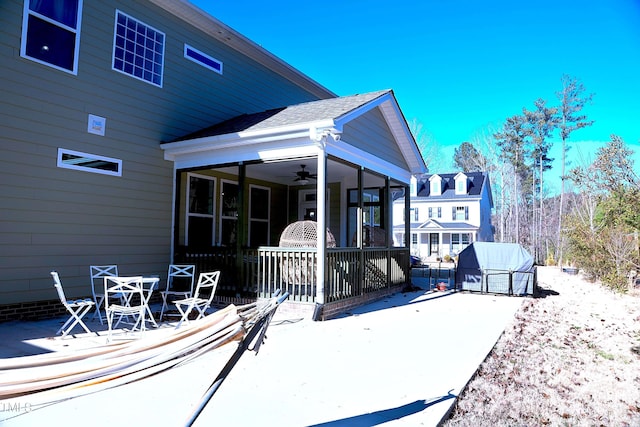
x=303, y=176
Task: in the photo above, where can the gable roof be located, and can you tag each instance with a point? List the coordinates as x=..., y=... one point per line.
x=304, y=124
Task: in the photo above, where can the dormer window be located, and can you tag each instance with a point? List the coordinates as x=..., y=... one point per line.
x=435, y=183
x=461, y=183
x=413, y=186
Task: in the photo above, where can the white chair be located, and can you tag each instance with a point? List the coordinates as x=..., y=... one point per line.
x=98, y=272
x=77, y=308
x=207, y=283
x=180, y=280
x=125, y=297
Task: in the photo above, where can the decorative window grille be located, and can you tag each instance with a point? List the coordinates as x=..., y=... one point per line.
x=138, y=49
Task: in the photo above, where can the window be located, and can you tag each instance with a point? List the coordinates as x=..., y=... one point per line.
x=439, y=212
x=435, y=187
x=461, y=183
x=414, y=238
x=430, y=214
x=259, y=207
x=459, y=241
x=51, y=33
x=77, y=160
x=203, y=59
x=138, y=49
x=229, y=213
x=200, y=214
x=416, y=217
x=372, y=216
x=460, y=213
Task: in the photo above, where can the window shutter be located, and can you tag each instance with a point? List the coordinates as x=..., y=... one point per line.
x=453, y=213
x=466, y=213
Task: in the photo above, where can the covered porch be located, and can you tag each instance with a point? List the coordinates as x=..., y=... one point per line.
x=240, y=183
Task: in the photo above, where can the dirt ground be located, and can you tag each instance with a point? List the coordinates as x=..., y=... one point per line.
x=570, y=357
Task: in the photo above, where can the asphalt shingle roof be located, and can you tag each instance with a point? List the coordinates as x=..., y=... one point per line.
x=307, y=112
x=474, y=185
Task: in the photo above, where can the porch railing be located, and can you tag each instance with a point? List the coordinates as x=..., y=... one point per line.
x=236, y=279
x=262, y=271
x=295, y=269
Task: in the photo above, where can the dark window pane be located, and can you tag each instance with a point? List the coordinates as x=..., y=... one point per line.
x=259, y=233
x=50, y=43
x=200, y=232
x=259, y=203
x=201, y=196
x=228, y=237
x=229, y=199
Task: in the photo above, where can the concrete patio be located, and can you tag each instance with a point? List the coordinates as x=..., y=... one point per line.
x=401, y=361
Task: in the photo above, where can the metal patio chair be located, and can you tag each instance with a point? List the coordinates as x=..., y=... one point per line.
x=125, y=297
x=98, y=273
x=207, y=282
x=76, y=308
x=180, y=279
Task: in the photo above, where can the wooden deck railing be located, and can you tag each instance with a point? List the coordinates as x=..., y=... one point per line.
x=349, y=272
x=294, y=270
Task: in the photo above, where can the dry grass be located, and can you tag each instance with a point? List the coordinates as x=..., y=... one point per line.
x=571, y=358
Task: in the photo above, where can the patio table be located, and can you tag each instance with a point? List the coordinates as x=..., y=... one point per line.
x=149, y=285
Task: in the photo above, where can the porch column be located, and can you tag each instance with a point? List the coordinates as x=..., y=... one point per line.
x=242, y=226
x=321, y=223
x=388, y=225
x=407, y=218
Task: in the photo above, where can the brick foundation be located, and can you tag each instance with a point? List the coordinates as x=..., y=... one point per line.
x=37, y=310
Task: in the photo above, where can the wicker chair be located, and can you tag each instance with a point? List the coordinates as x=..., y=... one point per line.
x=301, y=234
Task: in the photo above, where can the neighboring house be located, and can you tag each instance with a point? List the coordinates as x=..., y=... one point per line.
x=148, y=132
x=448, y=212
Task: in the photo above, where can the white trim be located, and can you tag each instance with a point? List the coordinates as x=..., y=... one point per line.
x=76, y=50
x=69, y=165
x=188, y=47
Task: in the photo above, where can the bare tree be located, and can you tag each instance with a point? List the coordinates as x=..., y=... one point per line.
x=541, y=122
x=511, y=140
x=572, y=101
x=426, y=143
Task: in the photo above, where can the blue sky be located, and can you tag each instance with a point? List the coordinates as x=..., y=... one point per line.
x=461, y=67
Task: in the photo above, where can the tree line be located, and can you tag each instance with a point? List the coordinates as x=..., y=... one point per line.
x=594, y=226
